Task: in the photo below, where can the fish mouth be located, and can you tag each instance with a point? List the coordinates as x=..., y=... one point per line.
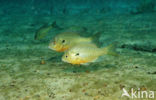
x=63, y=60
x=50, y=47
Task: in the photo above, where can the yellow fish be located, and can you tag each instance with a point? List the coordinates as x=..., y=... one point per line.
x=66, y=40
x=86, y=52
x=43, y=31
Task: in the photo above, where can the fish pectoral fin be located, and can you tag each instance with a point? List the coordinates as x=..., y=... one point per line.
x=95, y=60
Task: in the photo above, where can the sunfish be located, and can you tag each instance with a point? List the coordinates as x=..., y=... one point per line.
x=87, y=52
x=66, y=40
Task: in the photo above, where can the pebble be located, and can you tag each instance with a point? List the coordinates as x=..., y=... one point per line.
x=87, y=71
x=83, y=90
x=96, y=97
x=42, y=62
x=105, y=85
x=143, y=88
x=74, y=71
x=121, y=86
x=48, y=73
x=151, y=72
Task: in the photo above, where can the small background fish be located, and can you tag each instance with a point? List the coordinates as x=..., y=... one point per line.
x=43, y=30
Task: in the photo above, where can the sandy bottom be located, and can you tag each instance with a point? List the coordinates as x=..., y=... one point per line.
x=30, y=71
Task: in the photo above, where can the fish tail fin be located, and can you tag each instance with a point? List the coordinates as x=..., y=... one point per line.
x=110, y=50
x=35, y=37
x=95, y=38
x=54, y=24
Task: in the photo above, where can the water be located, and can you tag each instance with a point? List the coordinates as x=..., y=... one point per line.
x=29, y=70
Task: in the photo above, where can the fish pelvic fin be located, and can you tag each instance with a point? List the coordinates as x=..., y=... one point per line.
x=110, y=50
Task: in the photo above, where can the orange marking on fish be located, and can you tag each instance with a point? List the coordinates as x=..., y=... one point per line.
x=79, y=61
x=54, y=42
x=61, y=49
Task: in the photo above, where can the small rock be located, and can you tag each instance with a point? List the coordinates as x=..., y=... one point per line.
x=99, y=92
x=83, y=90
x=153, y=72
x=121, y=86
x=105, y=85
x=12, y=85
x=143, y=88
x=85, y=84
x=87, y=71
x=74, y=71
x=48, y=73
x=86, y=94
x=36, y=71
x=42, y=62
x=148, y=73
x=96, y=97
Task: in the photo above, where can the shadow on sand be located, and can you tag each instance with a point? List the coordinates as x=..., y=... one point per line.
x=87, y=68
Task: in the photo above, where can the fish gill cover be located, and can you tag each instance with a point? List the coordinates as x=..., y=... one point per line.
x=29, y=70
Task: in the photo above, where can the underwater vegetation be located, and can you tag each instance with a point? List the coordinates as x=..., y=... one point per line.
x=145, y=6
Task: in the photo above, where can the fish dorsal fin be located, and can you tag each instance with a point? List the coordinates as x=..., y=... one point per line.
x=95, y=38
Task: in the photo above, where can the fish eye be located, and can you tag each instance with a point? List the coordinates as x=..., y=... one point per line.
x=66, y=56
x=63, y=41
x=77, y=54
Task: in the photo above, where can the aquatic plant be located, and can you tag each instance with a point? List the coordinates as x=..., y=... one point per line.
x=145, y=6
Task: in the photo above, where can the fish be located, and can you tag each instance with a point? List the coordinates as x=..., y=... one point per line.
x=66, y=40
x=85, y=53
x=43, y=30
